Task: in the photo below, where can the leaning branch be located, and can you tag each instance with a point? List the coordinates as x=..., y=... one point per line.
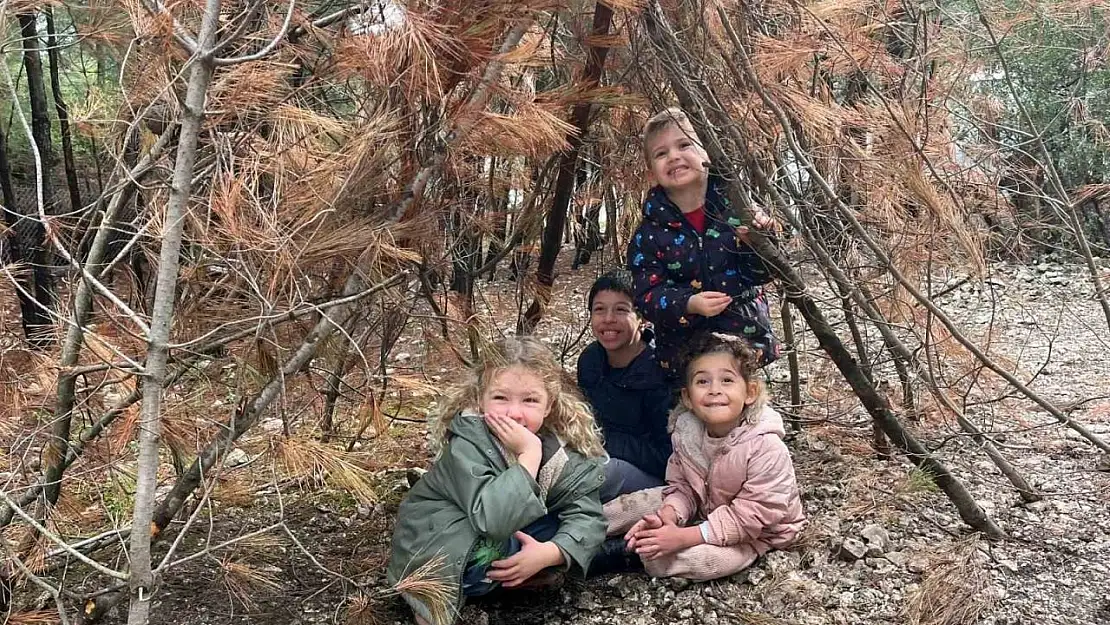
x=845, y=213
x=677, y=64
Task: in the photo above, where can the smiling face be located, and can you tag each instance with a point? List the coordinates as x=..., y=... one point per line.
x=716, y=392
x=519, y=394
x=675, y=158
x=614, y=322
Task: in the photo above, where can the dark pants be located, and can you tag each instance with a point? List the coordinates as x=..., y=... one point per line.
x=622, y=477
x=474, y=581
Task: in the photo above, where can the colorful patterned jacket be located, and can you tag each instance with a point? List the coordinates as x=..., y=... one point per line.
x=670, y=262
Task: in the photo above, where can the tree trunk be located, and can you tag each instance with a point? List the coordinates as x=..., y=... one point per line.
x=465, y=246
x=14, y=249
x=564, y=185
x=7, y=192
x=32, y=234
x=497, y=242
x=54, y=54
x=793, y=416
x=162, y=314
x=57, y=451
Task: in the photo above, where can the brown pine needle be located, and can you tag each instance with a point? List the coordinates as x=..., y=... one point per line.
x=428, y=585
x=305, y=458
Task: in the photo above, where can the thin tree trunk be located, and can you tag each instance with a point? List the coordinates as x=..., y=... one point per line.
x=790, y=343
x=878, y=440
x=564, y=185
x=33, y=235
x=7, y=192
x=162, y=314
x=65, y=396
x=332, y=391
x=54, y=55
x=31, y=317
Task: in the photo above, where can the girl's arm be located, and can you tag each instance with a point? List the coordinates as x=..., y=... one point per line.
x=764, y=499
x=678, y=494
x=497, y=503
x=662, y=304
x=582, y=525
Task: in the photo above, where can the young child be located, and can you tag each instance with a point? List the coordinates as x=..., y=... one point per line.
x=514, y=490
x=626, y=389
x=731, y=493
x=692, y=268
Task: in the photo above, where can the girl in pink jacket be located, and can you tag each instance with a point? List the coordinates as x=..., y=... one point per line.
x=731, y=494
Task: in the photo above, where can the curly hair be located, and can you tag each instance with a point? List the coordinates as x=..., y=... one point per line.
x=747, y=361
x=568, y=415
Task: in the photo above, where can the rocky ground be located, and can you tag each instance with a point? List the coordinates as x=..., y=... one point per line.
x=884, y=545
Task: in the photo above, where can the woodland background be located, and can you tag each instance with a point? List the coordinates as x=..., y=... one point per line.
x=245, y=243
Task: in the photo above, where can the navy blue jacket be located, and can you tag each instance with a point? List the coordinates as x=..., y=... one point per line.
x=670, y=262
x=631, y=406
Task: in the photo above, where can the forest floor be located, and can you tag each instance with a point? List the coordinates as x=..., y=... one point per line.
x=916, y=562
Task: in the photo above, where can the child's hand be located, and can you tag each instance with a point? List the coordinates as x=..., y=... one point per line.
x=514, y=436
x=654, y=543
x=761, y=221
x=708, y=303
x=650, y=521
x=532, y=558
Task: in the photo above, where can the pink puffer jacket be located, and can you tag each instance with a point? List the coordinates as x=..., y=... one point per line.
x=747, y=492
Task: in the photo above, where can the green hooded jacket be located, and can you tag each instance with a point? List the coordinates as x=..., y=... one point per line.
x=473, y=492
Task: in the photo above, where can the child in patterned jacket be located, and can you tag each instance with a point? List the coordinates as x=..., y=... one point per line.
x=692, y=268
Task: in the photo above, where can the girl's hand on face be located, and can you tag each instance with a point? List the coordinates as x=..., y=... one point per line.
x=708, y=303
x=514, y=436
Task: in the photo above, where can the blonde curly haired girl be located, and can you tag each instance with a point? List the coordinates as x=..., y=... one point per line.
x=512, y=498
x=569, y=416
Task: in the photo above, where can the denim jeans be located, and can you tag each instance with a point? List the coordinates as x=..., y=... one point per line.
x=474, y=581
x=623, y=477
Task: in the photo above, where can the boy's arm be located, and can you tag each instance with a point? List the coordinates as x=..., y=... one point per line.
x=582, y=524
x=656, y=408
x=496, y=503
x=662, y=304
x=764, y=499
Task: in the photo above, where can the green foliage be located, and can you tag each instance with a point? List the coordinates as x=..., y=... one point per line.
x=487, y=551
x=918, y=481
x=1055, y=55
x=118, y=496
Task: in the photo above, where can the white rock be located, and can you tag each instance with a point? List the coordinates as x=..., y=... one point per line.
x=236, y=457
x=851, y=550
x=877, y=537
x=897, y=558
x=917, y=564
